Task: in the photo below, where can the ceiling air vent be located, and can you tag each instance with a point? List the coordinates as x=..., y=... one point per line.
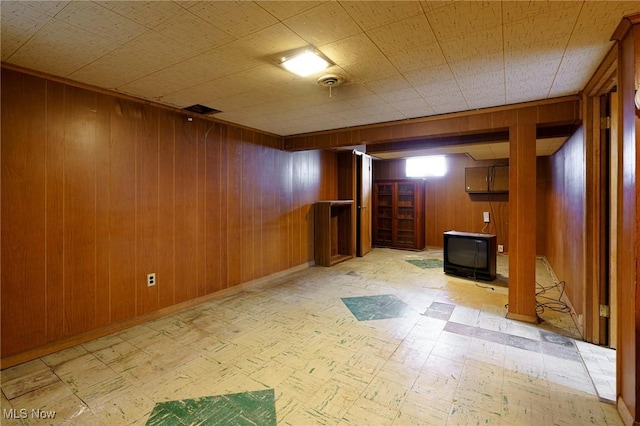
x=201, y=109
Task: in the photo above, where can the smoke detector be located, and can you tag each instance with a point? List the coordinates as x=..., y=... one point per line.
x=330, y=80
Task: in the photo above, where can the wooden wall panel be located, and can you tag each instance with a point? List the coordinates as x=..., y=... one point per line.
x=125, y=189
x=565, y=217
x=23, y=207
x=225, y=212
x=122, y=202
x=248, y=211
x=79, y=198
x=147, y=206
x=185, y=208
x=166, y=209
x=270, y=213
x=543, y=176
x=105, y=105
x=234, y=207
x=628, y=351
x=213, y=194
x=201, y=177
x=286, y=210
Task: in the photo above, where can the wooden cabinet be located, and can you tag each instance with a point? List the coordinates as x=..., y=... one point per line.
x=398, y=214
x=482, y=180
x=333, y=229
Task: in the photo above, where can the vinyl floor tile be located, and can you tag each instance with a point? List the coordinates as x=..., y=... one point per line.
x=375, y=340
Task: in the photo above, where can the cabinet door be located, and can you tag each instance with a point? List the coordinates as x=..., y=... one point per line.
x=383, y=214
x=405, y=215
x=364, y=176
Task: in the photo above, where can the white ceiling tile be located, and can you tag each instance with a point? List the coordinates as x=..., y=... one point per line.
x=438, y=88
x=94, y=18
x=263, y=46
x=160, y=50
x=404, y=35
x=400, y=95
x=447, y=102
x=147, y=13
x=412, y=108
x=238, y=18
x=59, y=48
x=193, y=31
x=370, y=101
x=389, y=84
x=371, y=15
x=427, y=56
x=482, y=42
x=455, y=55
x=429, y=75
x=19, y=23
x=189, y=73
x=286, y=9
x=530, y=11
x=566, y=81
x=489, y=64
x=461, y=19
x=323, y=24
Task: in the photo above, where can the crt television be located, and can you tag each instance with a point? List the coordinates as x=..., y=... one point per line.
x=469, y=254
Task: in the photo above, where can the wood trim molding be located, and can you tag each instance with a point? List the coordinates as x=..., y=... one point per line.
x=605, y=77
x=559, y=111
x=625, y=414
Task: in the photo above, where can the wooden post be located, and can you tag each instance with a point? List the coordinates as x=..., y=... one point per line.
x=522, y=217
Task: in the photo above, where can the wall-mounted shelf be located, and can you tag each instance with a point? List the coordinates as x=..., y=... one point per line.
x=333, y=225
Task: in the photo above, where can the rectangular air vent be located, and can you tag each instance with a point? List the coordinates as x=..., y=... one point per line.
x=201, y=109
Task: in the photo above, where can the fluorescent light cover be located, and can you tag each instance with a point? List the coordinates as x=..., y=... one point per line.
x=434, y=165
x=305, y=64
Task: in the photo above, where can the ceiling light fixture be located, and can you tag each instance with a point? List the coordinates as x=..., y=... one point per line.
x=305, y=63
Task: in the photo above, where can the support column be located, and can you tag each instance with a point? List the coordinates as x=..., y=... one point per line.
x=522, y=217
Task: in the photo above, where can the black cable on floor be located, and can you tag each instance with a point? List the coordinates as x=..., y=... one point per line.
x=550, y=303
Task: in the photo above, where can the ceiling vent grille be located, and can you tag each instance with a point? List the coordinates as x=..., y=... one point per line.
x=201, y=109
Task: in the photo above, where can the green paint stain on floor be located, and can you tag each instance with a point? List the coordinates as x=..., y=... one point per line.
x=246, y=408
x=426, y=263
x=367, y=308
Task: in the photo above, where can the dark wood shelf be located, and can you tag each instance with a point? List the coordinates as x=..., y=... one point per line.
x=333, y=226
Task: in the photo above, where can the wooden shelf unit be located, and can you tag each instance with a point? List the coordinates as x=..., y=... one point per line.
x=333, y=228
x=398, y=214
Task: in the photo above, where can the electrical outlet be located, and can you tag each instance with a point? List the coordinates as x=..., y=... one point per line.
x=500, y=248
x=151, y=279
x=485, y=215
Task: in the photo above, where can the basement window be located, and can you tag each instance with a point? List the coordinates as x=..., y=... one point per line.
x=431, y=166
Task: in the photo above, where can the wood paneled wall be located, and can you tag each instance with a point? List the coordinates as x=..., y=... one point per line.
x=448, y=206
x=565, y=217
x=628, y=351
x=99, y=190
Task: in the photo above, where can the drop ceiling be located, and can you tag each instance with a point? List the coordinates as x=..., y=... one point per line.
x=399, y=59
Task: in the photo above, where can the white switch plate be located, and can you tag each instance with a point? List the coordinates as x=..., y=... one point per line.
x=500, y=248
x=485, y=215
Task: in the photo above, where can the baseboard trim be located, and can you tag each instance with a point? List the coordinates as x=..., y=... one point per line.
x=50, y=348
x=625, y=414
x=524, y=318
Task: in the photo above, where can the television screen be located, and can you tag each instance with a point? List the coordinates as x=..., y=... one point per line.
x=467, y=252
